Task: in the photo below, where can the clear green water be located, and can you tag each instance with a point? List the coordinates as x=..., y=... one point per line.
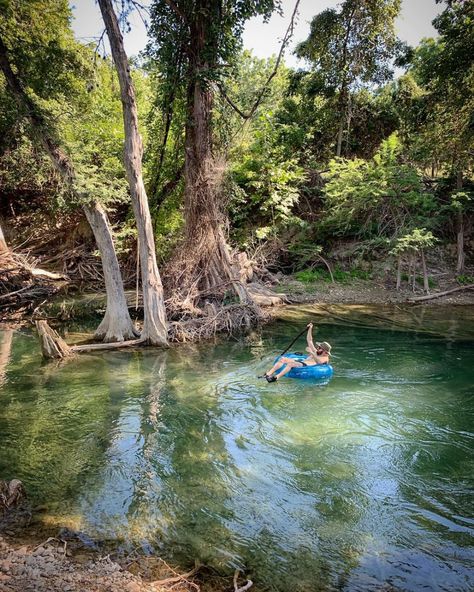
x=342, y=486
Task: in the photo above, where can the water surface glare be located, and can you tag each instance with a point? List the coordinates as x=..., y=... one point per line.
x=364, y=480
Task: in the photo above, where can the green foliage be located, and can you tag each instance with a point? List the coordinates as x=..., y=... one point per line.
x=40, y=43
x=414, y=242
x=465, y=280
x=354, y=44
x=78, y=96
x=264, y=181
x=375, y=198
x=339, y=275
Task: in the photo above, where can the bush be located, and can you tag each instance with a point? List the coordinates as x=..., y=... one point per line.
x=308, y=276
x=464, y=280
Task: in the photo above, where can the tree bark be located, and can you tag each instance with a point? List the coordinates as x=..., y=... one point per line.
x=115, y=292
x=116, y=324
x=205, y=258
x=154, y=327
x=460, y=229
x=340, y=134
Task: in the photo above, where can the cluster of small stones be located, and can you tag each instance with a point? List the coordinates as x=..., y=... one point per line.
x=48, y=569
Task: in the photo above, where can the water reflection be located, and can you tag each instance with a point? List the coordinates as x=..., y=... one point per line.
x=363, y=481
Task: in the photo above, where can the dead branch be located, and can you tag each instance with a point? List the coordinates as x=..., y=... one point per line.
x=286, y=39
x=243, y=588
x=439, y=294
x=178, y=577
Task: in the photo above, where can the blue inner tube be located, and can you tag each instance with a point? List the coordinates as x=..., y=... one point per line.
x=317, y=371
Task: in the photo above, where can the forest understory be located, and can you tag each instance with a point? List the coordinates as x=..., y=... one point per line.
x=56, y=274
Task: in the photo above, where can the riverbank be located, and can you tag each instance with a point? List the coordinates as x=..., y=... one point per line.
x=58, y=565
x=373, y=291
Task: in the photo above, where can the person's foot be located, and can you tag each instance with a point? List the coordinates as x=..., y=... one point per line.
x=271, y=378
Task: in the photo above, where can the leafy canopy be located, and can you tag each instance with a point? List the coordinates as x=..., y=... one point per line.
x=353, y=45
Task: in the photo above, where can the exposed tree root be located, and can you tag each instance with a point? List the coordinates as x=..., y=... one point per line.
x=231, y=319
x=23, y=286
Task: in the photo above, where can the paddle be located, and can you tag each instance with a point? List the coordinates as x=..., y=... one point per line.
x=285, y=350
x=294, y=340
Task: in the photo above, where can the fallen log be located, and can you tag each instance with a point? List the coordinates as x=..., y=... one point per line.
x=98, y=346
x=439, y=294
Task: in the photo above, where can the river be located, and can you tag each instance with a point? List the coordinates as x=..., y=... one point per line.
x=362, y=481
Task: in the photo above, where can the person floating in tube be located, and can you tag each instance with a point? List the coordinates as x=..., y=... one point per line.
x=318, y=354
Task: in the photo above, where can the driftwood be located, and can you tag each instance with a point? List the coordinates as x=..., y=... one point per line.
x=439, y=294
x=98, y=346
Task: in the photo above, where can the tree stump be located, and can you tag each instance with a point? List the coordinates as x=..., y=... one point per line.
x=52, y=345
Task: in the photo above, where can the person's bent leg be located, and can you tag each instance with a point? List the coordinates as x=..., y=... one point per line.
x=289, y=365
x=281, y=362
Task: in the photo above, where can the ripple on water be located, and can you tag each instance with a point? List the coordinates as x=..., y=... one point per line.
x=360, y=482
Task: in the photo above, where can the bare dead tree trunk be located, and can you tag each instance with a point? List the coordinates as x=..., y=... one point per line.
x=460, y=229
x=116, y=324
x=154, y=327
x=426, y=284
x=399, y=272
x=119, y=316
x=413, y=265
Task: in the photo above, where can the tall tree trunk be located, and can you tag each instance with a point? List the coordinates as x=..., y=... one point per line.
x=154, y=326
x=204, y=265
x=426, y=283
x=460, y=229
x=119, y=316
x=342, y=109
x=116, y=324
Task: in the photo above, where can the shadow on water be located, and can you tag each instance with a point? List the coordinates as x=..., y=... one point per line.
x=362, y=481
